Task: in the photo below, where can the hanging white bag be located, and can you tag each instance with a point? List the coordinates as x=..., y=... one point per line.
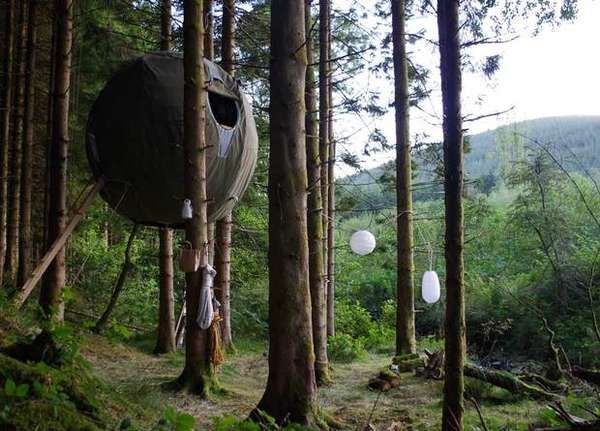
x=205, y=307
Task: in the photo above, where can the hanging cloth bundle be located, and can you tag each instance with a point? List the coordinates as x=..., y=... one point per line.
x=206, y=306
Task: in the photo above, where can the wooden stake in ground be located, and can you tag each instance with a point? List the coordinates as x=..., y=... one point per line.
x=50, y=295
x=27, y=171
x=291, y=388
x=55, y=248
x=405, y=296
x=198, y=373
x=455, y=343
x=165, y=339
x=223, y=228
x=5, y=115
x=315, y=219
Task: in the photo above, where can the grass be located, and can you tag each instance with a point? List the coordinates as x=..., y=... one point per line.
x=417, y=402
x=129, y=380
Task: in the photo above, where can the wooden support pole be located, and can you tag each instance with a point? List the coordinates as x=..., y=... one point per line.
x=43, y=265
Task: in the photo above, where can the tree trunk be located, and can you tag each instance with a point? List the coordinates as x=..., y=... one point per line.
x=49, y=126
x=28, y=129
x=405, y=296
x=7, y=78
x=165, y=25
x=228, y=36
x=198, y=373
x=211, y=243
x=209, y=45
x=324, y=135
x=14, y=213
x=455, y=343
x=291, y=388
x=223, y=228
x=315, y=218
x=330, y=220
x=125, y=269
x=165, y=342
x=222, y=281
x=50, y=295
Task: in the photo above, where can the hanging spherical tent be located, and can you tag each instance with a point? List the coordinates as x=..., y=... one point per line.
x=135, y=140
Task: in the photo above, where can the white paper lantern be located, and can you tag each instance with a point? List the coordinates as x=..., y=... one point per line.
x=362, y=242
x=186, y=210
x=430, y=288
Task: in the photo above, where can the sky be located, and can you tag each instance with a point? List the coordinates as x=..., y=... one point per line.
x=554, y=73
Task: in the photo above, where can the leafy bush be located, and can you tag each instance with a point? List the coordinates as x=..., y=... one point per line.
x=388, y=314
x=380, y=339
x=344, y=348
x=353, y=320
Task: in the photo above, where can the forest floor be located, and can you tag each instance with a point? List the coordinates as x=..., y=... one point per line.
x=136, y=375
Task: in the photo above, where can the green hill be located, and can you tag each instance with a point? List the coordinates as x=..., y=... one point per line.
x=573, y=139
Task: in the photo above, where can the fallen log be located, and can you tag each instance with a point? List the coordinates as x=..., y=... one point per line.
x=549, y=385
x=384, y=381
x=407, y=365
x=434, y=369
x=508, y=381
x=574, y=423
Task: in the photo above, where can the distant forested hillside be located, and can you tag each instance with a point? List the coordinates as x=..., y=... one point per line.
x=573, y=140
x=576, y=138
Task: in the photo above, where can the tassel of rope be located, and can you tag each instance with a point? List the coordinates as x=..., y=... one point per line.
x=216, y=352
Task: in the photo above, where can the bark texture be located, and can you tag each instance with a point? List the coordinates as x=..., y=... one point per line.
x=14, y=213
x=291, y=388
x=28, y=129
x=315, y=218
x=222, y=281
x=198, y=373
x=165, y=25
x=165, y=341
x=405, y=297
x=50, y=295
x=5, y=115
x=324, y=145
x=223, y=228
x=455, y=344
x=209, y=46
x=228, y=36
x=331, y=222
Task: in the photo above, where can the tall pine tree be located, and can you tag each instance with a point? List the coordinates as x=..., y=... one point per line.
x=291, y=388
x=455, y=343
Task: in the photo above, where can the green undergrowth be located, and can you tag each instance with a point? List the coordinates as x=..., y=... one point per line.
x=38, y=396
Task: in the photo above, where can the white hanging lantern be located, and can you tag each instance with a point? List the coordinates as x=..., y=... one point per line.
x=430, y=288
x=362, y=242
x=186, y=210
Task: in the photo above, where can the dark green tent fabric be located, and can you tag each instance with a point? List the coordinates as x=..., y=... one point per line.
x=135, y=140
